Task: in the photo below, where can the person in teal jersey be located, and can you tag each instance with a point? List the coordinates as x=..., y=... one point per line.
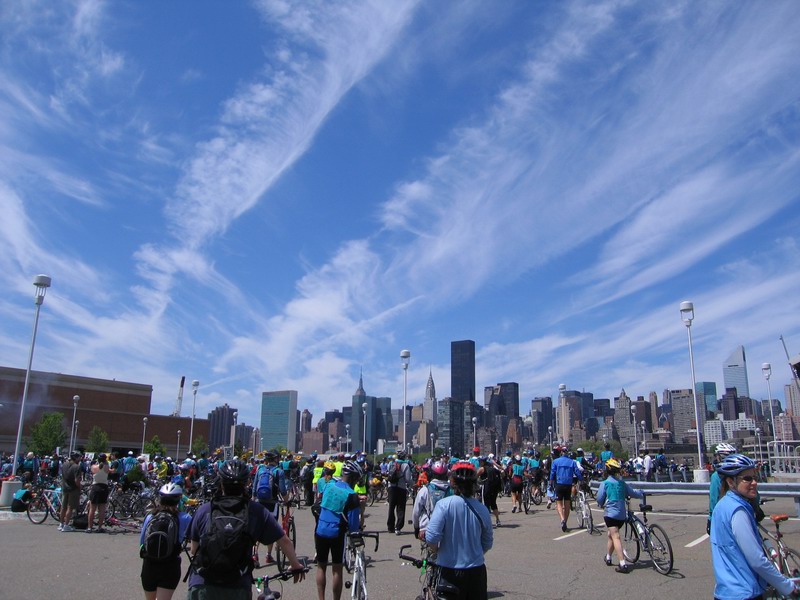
x=606, y=454
x=612, y=495
x=517, y=474
x=741, y=568
x=723, y=451
x=475, y=458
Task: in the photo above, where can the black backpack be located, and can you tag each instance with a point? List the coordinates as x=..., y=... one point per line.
x=161, y=541
x=395, y=472
x=226, y=547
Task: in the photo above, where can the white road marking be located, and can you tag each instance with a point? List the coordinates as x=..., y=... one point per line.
x=699, y=540
x=568, y=535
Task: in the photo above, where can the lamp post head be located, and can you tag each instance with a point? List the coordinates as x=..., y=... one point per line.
x=195, y=385
x=474, y=420
x=76, y=424
x=550, y=429
x=562, y=387
x=365, y=406
x=76, y=399
x=179, y=431
x=405, y=356
x=766, y=369
x=144, y=420
x=687, y=312
x=41, y=283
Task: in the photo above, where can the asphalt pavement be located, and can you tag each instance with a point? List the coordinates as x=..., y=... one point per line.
x=531, y=558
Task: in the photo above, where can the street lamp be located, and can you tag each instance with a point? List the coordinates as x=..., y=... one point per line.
x=550, y=435
x=178, y=445
x=758, y=440
x=562, y=408
x=644, y=434
x=144, y=431
x=75, y=400
x=474, y=431
x=496, y=448
x=41, y=283
x=195, y=385
x=233, y=429
x=687, y=316
x=76, y=430
x=432, y=438
x=766, y=369
x=347, y=438
x=364, y=408
x=635, y=436
x=405, y=357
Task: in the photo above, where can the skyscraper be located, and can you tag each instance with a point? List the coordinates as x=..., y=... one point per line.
x=707, y=395
x=451, y=425
x=462, y=370
x=429, y=411
x=279, y=419
x=220, y=421
x=683, y=418
x=734, y=372
x=542, y=413
x=501, y=399
x=379, y=419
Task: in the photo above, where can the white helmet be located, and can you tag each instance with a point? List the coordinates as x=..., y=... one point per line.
x=724, y=448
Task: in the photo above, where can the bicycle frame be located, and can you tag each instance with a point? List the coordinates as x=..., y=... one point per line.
x=358, y=586
x=784, y=558
x=637, y=535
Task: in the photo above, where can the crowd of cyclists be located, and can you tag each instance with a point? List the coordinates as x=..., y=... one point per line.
x=454, y=507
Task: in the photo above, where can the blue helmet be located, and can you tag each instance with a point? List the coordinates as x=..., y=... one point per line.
x=733, y=464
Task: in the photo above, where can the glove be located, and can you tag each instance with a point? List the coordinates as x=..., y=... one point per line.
x=708, y=526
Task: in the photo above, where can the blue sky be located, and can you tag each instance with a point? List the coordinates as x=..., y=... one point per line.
x=276, y=195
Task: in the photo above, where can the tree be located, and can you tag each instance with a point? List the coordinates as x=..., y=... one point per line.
x=199, y=445
x=154, y=446
x=97, y=440
x=48, y=434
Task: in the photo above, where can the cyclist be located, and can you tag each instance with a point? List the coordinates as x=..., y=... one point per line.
x=261, y=527
x=606, y=454
x=427, y=497
x=562, y=474
x=98, y=494
x=612, y=495
x=270, y=469
x=490, y=474
x=70, y=490
x=516, y=472
x=460, y=531
x=741, y=568
x=339, y=513
x=720, y=453
x=398, y=493
x=160, y=578
x=475, y=458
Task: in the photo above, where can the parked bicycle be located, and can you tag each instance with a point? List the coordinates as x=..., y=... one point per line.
x=584, y=512
x=355, y=548
x=262, y=583
x=785, y=559
x=44, y=502
x=287, y=523
x=638, y=535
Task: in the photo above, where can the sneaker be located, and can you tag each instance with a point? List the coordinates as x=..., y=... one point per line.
x=100, y=530
x=513, y=510
x=256, y=564
x=90, y=530
x=623, y=569
x=548, y=504
x=397, y=532
x=497, y=523
x=563, y=525
x=68, y=528
x=269, y=560
x=61, y=527
x=608, y=562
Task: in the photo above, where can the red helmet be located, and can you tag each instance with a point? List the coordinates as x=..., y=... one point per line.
x=476, y=450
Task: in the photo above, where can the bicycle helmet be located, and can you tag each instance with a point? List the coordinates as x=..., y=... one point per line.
x=329, y=466
x=733, y=464
x=439, y=470
x=351, y=467
x=401, y=455
x=464, y=472
x=234, y=471
x=170, y=493
x=508, y=452
x=724, y=448
x=613, y=463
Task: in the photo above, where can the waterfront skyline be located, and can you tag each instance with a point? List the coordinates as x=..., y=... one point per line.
x=349, y=180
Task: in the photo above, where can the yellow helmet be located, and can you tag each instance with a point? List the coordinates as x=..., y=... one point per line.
x=329, y=465
x=613, y=463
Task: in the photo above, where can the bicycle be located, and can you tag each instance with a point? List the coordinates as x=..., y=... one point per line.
x=262, y=583
x=433, y=587
x=377, y=490
x=584, y=512
x=355, y=546
x=785, y=559
x=539, y=491
x=287, y=522
x=44, y=502
x=637, y=534
x=526, y=494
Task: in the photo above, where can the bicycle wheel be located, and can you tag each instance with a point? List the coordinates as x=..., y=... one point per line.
x=588, y=520
x=37, y=509
x=291, y=533
x=790, y=562
x=526, y=499
x=580, y=515
x=373, y=496
x=630, y=542
x=660, y=549
x=536, y=497
x=54, y=507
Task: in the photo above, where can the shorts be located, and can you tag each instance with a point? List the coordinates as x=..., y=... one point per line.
x=71, y=498
x=333, y=545
x=614, y=522
x=471, y=583
x=516, y=488
x=490, y=500
x=98, y=493
x=161, y=574
x=563, y=491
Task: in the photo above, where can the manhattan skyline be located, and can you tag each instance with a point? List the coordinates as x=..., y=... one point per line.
x=276, y=195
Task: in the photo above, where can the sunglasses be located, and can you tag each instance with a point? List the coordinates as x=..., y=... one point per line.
x=748, y=478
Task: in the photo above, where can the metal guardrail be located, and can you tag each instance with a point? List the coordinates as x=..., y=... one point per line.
x=767, y=490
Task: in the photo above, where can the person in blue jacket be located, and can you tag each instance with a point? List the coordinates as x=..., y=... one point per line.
x=612, y=495
x=339, y=512
x=563, y=472
x=741, y=568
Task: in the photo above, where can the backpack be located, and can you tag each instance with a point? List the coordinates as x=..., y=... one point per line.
x=436, y=493
x=161, y=538
x=267, y=485
x=492, y=478
x=661, y=461
x=225, y=554
x=394, y=473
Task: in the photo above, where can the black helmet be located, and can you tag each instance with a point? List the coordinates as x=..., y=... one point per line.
x=401, y=455
x=234, y=471
x=351, y=467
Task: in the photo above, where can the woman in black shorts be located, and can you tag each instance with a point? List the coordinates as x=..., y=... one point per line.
x=98, y=494
x=612, y=495
x=160, y=578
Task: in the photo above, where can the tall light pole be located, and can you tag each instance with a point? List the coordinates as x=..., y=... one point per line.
x=758, y=441
x=564, y=413
x=687, y=316
x=496, y=448
x=233, y=429
x=432, y=438
x=195, y=385
x=347, y=438
x=766, y=369
x=75, y=400
x=76, y=429
x=144, y=431
x=364, y=407
x=178, y=445
x=405, y=357
x=644, y=433
x=474, y=432
x=41, y=283
x=635, y=435
x=550, y=435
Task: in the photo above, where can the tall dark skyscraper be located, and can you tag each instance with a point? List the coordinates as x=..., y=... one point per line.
x=462, y=370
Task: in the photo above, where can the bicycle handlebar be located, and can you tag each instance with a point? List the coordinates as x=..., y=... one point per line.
x=282, y=575
x=360, y=535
